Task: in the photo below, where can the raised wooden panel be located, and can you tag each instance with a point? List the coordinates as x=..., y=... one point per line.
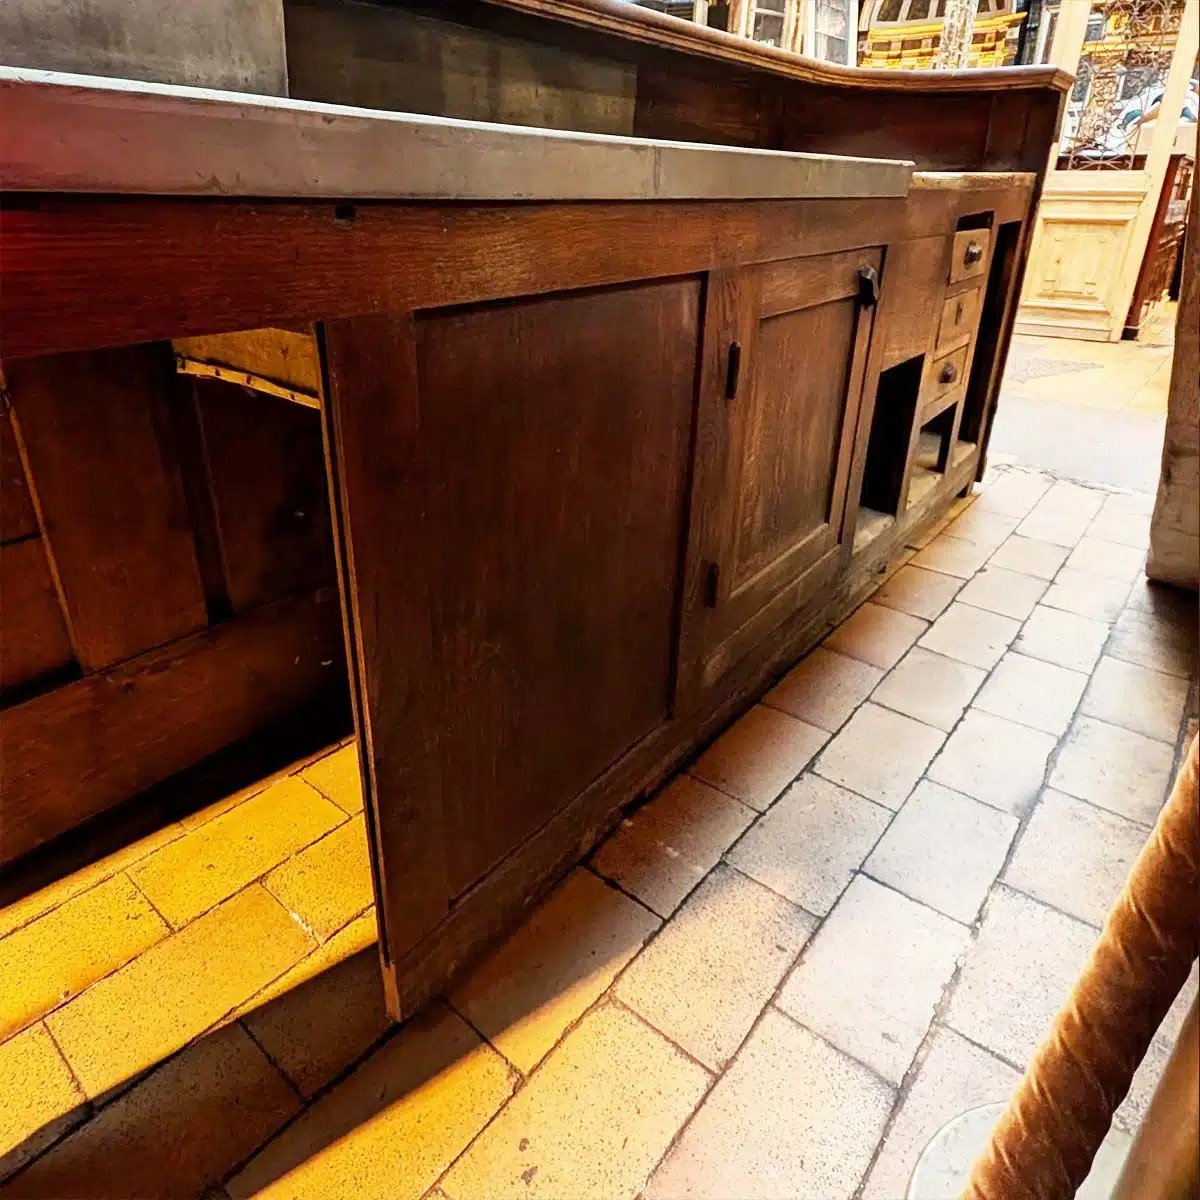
x=95, y=434
x=515, y=496
x=960, y=316
x=17, y=518
x=914, y=275
x=122, y=730
x=266, y=468
x=33, y=639
x=786, y=440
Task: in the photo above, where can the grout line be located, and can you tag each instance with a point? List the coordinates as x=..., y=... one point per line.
x=287, y=1079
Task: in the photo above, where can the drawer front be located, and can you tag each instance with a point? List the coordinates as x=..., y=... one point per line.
x=970, y=254
x=946, y=374
x=960, y=315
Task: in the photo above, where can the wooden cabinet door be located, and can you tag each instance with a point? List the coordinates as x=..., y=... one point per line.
x=513, y=499
x=784, y=355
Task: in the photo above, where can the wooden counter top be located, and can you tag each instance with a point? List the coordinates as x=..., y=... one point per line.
x=77, y=133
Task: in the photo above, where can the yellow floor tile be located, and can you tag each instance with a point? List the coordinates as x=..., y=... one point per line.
x=178, y=1130
x=324, y=1024
x=30, y=907
x=50, y=960
x=209, y=864
x=524, y=996
x=358, y=935
x=173, y=992
x=393, y=1126
x=329, y=883
x=337, y=777
x=39, y=1101
x=591, y=1123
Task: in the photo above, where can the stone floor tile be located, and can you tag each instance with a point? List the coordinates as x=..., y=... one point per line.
x=326, y=885
x=983, y=526
x=175, y=1132
x=1137, y=698
x=1063, y=514
x=1114, y=768
x=1032, y=692
x=1087, y=595
x=918, y=541
x=1110, y=559
x=918, y=592
x=361, y=933
x=1129, y=529
x=57, y=956
x=824, y=688
x=943, y=849
x=1156, y=639
x=1015, y=493
x=994, y=760
x=59, y=891
x=870, y=980
x=1062, y=638
x=953, y=1077
x=953, y=556
x=792, y=1117
x=1002, y=591
x=591, y=1123
x=706, y=977
x=337, y=778
x=876, y=635
x=1022, y=967
x=192, y=874
x=1030, y=556
x=1074, y=856
x=321, y=1026
x=1134, y=503
x=856, y=758
x=389, y=1129
x=39, y=1100
x=661, y=852
x=524, y=995
x=759, y=755
x=971, y=635
x=929, y=687
x=812, y=841
x=152, y=1006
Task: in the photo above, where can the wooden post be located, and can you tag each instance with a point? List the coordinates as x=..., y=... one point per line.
x=1175, y=527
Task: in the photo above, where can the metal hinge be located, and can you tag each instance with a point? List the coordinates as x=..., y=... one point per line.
x=712, y=580
x=733, y=370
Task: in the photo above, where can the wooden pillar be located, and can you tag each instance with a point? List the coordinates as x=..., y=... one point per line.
x=1175, y=527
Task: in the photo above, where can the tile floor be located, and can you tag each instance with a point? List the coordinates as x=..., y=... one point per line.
x=848, y=921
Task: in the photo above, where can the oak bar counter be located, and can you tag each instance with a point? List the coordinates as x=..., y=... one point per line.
x=593, y=433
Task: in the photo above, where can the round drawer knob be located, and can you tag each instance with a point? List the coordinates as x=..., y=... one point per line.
x=973, y=253
x=948, y=373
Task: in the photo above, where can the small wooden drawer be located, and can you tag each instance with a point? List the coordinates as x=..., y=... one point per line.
x=970, y=253
x=945, y=375
x=960, y=315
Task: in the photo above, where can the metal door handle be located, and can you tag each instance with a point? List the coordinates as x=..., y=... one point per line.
x=948, y=374
x=973, y=254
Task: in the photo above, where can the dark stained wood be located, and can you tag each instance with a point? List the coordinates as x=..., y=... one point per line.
x=564, y=424
x=779, y=474
x=267, y=473
x=17, y=518
x=694, y=107
x=145, y=269
x=117, y=732
x=33, y=638
x=94, y=435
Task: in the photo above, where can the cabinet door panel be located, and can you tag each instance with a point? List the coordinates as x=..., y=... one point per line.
x=777, y=476
x=515, y=480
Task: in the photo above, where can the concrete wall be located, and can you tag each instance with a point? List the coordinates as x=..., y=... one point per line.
x=235, y=44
